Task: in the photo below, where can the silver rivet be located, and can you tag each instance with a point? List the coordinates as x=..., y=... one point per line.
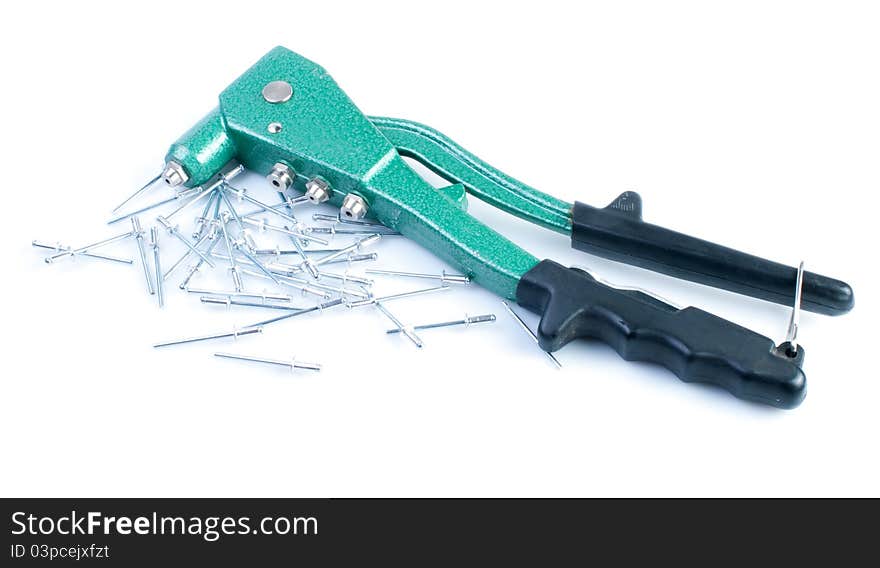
x=274, y=127
x=277, y=92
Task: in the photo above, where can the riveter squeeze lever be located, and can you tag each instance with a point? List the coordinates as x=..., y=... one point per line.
x=285, y=117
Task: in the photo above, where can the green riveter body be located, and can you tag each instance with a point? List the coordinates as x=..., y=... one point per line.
x=318, y=132
x=324, y=134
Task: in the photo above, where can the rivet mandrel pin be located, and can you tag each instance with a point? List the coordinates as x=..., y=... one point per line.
x=237, y=294
x=138, y=192
x=293, y=364
x=241, y=194
x=228, y=301
x=319, y=308
x=790, y=346
x=175, y=232
x=180, y=194
x=235, y=334
x=531, y=333
x=160, y=286
x=139, y=237
x=88, y=248
x=197, y=266
x=406, y=330
x=58, y=247
x=373, y=300
x=442, y=277
x=339, y=219
x=467, y=321
x=262, y=225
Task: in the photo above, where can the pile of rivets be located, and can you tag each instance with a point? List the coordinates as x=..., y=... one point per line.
x=221, y=222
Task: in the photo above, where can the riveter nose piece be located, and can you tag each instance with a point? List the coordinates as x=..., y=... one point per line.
x=174, y=174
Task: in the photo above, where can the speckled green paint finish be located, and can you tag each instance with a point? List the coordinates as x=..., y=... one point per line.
x=449, y=160
x=323, y=133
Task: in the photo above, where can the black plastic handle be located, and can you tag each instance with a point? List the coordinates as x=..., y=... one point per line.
x=618, y=232
x=692, y=343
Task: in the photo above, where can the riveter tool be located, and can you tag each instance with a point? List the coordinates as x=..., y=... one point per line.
x=286, y=118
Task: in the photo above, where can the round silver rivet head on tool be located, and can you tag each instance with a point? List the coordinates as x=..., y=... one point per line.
x=277, y=92
x=274, y=127
x=174, y=174
x=353, y=207
x=281, y=176
x=317, y=190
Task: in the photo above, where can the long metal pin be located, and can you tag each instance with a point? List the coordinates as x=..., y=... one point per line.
x=356, y=246
x=203, y=221
x=179, y=195
x=185, y=256
x=343, y=220
x=175, y=232
x=235, y=334
x=286, y=204
x=406, y=330
x=319, y=308
x=298, y=244
x=306, y=260
x=442, y=277
x=236, y=277
x=88, y=248
x=791, y=336
x=321, y=286
x=227, y=301
x=277, y=251
x=231, y=209
x=467, y=321
x=368, y=230
x=291, y=270
x=229, y=171
x=264, y=296
x=531, y=333
x=263, y=226
x=142, y=252
x=160, y=286
x=58, y=247
x=240, y=193
x=241, y=246
x=293, y=364
x=304, y=288
x=369, y=301
x=198, y=265
x=138, y=192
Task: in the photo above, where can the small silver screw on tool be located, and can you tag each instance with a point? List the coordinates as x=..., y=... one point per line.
x=281, y=176
x=233, y=334
x=531, y=333
x=293, y=364
x=467, y=321
x=354, y=207
x=318, y=190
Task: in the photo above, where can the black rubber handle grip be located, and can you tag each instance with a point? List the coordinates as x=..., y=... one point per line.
x=693, y=344
x=618, y=232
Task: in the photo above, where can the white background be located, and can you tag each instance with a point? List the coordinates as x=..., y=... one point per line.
x=752, y=124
